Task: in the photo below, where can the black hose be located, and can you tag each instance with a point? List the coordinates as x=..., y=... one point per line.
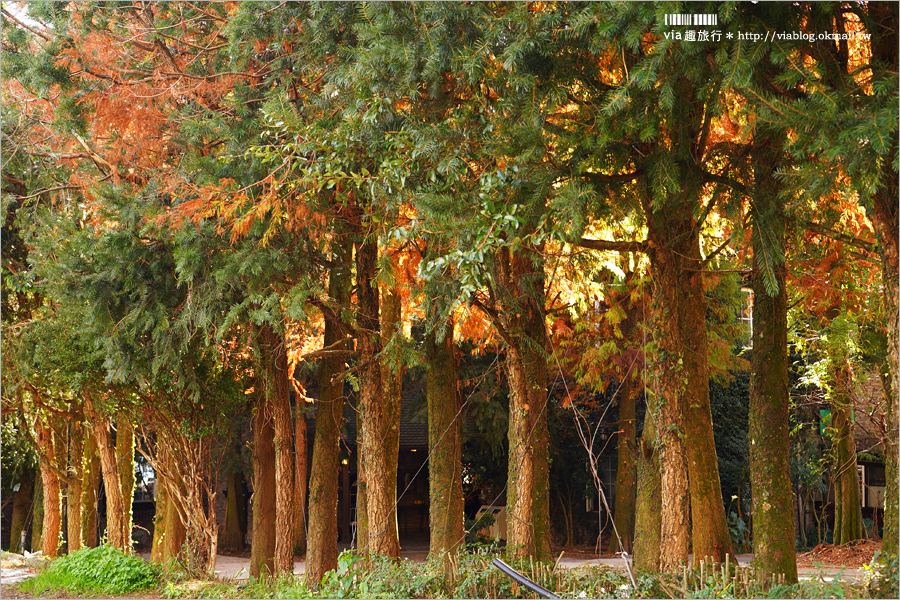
x=515, y=575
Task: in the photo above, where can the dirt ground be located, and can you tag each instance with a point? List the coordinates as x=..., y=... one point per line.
x=851, y=556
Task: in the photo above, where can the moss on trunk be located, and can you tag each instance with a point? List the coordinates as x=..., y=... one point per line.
x=774, y=544
x=301, y=475
x=520, y=290
x=158, y=546
x=378, y=532
x=392, y=379
x=75, y=473
x=274, y=363
x=125, y=467
x=322, y=552
x=262, y=548
x=626, y=469
x=447, y=521
x=690, y=472
x=92, y=478
x=648, y=513
x=848, y=525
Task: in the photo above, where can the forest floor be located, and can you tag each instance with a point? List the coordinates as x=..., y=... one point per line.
x=825, y=561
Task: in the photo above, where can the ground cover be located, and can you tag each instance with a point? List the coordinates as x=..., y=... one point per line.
x=473, y=577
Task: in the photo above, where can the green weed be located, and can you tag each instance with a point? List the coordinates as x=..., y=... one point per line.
x=101, y=570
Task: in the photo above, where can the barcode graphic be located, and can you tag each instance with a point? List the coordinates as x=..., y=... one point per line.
x=688, y=19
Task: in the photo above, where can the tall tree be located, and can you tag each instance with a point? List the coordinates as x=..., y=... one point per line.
x=773, y=540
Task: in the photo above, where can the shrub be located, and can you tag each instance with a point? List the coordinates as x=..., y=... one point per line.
x=103, y=570
x=882, y=579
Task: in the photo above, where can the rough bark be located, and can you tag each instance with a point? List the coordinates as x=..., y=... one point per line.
x=262, y=550
x=666, y=405
x=108, y=465
x=22, y=503
x=626, y=468
x=520, y=289
x=75, y=472
x=176, y=532
x=848, y=525
x=774, y=544
x=885, y=216
x=380, y=535
x=37, y=520
x=90, y=490
x=392, y=379
x=322, y=552
x=690, y=471
x=274, y=361
x=125, y=467
x=446, y=501
x=52, y=521
x=301, y=475
x=648, y=513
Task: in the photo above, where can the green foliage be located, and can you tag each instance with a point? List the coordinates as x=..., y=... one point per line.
x=740, y=533
x=475, y=577
x=100, y=570
x=16, y=455
x=730, y=412
x=883, y=576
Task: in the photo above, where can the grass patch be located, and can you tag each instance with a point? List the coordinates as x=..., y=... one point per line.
x=92, y=571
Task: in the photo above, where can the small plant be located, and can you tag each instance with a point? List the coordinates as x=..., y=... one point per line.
x=341, y=581
x=882, y=577
x=474, y=527
x=104, y=570
x=740, y=533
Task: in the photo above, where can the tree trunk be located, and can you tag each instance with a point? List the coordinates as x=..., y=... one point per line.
x=885, y=217
x=37, y=519
x=301, y=474
x=107, y=451
x=392, y=379
x=22, y=504
x=160, y=524
x=262, y=549
x=522, y=313
x=52, y=522
x=274, y=361
x=446, y=501
x=322, y=553
x=176, y=532
x=233, y=536
x=665, y=407
x=626, y=468
x=848, y=524
x=648, y=513
x=774, y=545
x=690, y=477
x=90, y=490
x=74, y=493
x=125, y=466
x=380, y=536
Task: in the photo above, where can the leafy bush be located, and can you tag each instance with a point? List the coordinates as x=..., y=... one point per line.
x=882, y=578
x=103, y=570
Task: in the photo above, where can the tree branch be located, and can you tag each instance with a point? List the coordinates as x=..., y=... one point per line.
x=597, y=178
x=609, y=246
x=838, y=236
